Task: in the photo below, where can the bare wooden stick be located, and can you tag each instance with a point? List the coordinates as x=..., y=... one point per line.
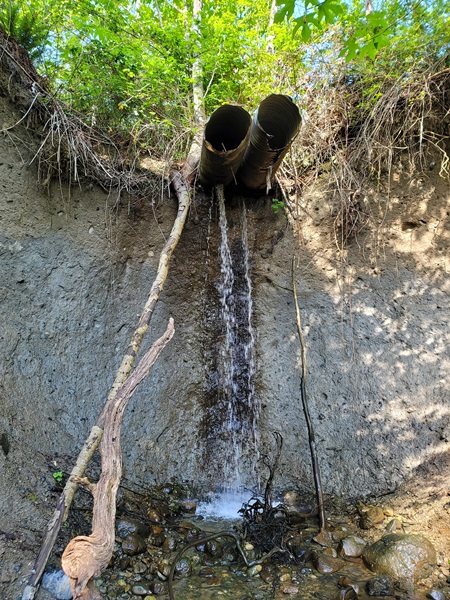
x=86, y=557
x=184, y=199
x=309, y=425
x=183, y=192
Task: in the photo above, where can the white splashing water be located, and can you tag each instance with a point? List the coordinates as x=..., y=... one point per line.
x=224, y=505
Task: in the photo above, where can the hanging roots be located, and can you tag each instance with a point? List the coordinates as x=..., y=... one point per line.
x=71, y=149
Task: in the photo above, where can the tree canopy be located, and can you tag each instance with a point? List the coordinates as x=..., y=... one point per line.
x=127, y=66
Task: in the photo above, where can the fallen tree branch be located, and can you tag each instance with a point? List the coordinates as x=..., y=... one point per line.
x=85, y=557
x=309, y=425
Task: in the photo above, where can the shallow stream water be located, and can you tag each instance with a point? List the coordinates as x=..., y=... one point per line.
x=160, y=529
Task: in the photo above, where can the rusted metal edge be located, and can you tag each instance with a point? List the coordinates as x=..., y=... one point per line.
x=273, y=129
x=226, y=138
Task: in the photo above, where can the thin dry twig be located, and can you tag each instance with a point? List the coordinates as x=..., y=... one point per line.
x=309, y=424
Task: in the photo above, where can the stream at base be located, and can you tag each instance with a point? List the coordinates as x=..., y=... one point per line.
x=161, y=528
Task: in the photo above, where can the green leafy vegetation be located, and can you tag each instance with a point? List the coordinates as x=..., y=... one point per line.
x=58, y=476
x=277, y=205
x=370, y=77
x=128, y=65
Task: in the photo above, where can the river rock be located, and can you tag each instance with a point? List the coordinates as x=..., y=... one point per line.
x=214, y=548
x=254, y=571
x=327, y=564
x=394, y=525
x=188, y=507
x=133, y=544
x=402, y=556
x=268, y=576
x=371, y=516
x=352, y=546
x=380, y=586
x=139, y=567
x=125, y=526
x=142, y=589
x=288, y=589
x=324, y=538
x=169, y=543
x=349, y=593
x=159, y=588
x=183, y=567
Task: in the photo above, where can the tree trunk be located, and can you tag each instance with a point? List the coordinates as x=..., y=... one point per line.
x=197, y=95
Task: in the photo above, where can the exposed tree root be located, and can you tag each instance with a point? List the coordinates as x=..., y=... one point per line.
x=85, y=557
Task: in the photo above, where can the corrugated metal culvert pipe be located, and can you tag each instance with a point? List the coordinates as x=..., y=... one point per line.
x=274, y=126
x=226, y=138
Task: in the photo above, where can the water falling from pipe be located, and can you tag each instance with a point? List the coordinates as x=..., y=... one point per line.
x=237, y=371
x=229, y=346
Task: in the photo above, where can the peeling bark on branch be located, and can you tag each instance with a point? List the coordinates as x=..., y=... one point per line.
x=86, y=556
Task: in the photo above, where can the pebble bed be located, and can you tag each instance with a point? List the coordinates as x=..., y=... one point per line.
x=160, y=528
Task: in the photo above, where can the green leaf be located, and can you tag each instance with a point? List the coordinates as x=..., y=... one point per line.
x=306, y=32
x=336, y=8
x=281, y=15
x=368, y=49
x=349, y=50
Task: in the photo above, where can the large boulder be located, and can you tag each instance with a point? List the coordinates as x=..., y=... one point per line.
x=402, y=556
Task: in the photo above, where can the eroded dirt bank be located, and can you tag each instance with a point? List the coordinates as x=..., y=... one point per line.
x=75, y=271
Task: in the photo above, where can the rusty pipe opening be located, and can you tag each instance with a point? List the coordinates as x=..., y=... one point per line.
x=274, y=126
x=225, y=140
x=279, y=118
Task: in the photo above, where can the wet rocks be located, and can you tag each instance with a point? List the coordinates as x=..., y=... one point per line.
x=169, y=544
x=436, y=595
x=348, y=589
x=147, y=550
x=289, y=589
x=126, y=526
x=183, y=567
x=325, y=538
x=325, y=563
x=133, y=544
x=214, y=548
x=254, y=571
x=380, y=586
x=141, y=589
x=188, y=507
x=402, y=556
x=352, y=546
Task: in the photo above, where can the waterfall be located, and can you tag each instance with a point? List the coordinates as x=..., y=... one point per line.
x=236, y=398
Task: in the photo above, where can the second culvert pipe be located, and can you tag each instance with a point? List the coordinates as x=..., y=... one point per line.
x=274, y=126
